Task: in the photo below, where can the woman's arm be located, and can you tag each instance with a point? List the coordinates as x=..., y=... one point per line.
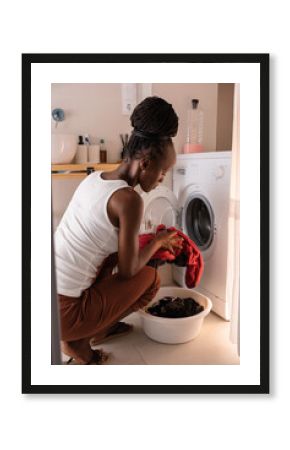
x=131, y=258
x=126, y=206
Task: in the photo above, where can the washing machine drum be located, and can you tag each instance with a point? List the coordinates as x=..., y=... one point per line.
x=199, y=221
x=160, y=206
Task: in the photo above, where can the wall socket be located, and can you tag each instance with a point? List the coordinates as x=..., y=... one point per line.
x=129, y=98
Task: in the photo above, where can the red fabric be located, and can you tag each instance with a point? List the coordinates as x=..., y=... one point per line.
x=194, y=260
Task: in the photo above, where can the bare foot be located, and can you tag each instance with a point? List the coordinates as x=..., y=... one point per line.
x=99, y=357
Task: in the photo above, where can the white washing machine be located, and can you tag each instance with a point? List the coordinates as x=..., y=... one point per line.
x=198, y=206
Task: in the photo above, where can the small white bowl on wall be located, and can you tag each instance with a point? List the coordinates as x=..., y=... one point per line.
x=63, y=148
x=174, y=330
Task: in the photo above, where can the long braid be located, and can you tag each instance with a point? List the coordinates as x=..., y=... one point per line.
x=154, y=122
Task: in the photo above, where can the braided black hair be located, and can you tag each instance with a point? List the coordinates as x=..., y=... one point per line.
x=154, y=122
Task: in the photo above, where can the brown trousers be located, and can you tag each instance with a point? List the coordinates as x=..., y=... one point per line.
x=108, y=300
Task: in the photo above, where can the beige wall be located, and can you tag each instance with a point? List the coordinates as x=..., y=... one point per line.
x=225, y=116
x=180, y=95
x=95, y=109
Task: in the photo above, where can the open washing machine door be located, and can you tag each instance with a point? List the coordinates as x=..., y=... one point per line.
x=198, y=223
x=197, y=219
x=160, y=206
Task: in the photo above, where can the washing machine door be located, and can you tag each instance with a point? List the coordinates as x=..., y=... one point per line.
x=198, y=220
x=160, y=206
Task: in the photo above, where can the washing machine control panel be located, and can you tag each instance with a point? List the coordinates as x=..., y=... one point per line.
x=181, y=170
x=184, y=175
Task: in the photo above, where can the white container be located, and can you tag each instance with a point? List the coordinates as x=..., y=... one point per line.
x=177, y=330
x=81, y=154
x=94, y=153
x=63, y=148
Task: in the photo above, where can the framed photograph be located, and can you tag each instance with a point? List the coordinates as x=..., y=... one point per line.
x=169, y=294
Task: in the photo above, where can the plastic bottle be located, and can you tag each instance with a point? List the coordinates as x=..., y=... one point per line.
x=194, y=131
x=82, y=152
x=103, y=152
x=94, y=153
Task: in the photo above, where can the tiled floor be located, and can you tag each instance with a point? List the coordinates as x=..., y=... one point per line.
x=212, y=346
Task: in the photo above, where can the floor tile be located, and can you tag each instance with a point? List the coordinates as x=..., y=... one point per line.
x=212, y=346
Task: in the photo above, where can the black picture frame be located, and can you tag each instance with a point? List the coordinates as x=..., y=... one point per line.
x=263, y=61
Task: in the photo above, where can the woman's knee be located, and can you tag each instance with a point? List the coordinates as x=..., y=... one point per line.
x=152, y=287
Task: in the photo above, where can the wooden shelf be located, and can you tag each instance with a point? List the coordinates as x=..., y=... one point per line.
x=69, y=171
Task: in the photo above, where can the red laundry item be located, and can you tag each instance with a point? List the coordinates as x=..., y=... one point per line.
x=193, y=259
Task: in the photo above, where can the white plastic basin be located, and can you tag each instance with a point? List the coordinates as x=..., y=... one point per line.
x=63, y=148
x=175, y=330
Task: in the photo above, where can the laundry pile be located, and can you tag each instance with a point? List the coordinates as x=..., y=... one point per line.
x=188, y=256
x=175, y=307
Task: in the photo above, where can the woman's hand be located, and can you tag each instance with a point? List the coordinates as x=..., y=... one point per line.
x=107, y=266
x=168, y=240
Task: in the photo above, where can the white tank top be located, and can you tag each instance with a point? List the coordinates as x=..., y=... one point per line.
x=85, y=236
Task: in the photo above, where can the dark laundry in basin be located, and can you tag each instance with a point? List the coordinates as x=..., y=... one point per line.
x=175, y=307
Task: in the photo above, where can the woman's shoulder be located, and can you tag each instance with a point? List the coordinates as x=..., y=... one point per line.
x=128, y=198
x=129, y=194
